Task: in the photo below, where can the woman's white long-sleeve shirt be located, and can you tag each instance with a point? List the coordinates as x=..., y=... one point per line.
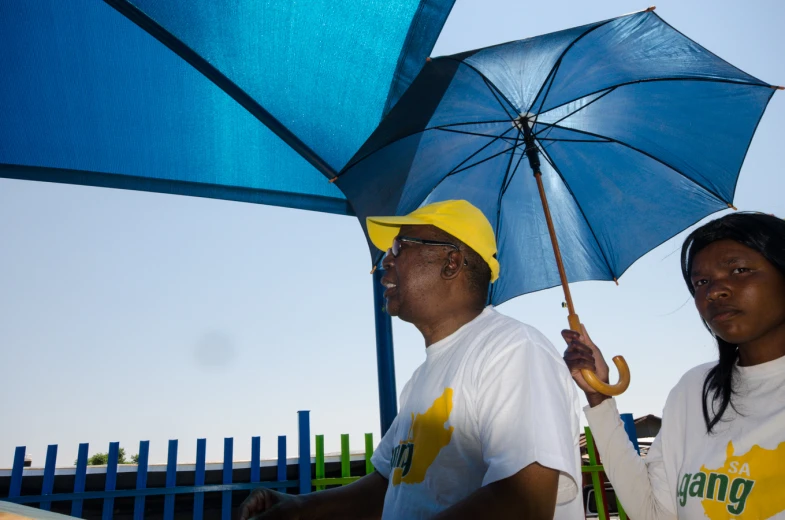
x=736, y=472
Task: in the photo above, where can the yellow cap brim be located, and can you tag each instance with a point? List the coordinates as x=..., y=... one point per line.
x=383, y=230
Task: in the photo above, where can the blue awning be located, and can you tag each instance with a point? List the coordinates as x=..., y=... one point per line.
x=260, y=101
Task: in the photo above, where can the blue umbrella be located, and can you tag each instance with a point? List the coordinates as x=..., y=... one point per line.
x=633, y=130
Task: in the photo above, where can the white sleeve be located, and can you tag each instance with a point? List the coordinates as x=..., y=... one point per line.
x=527, y=412
x=383, y=452
x=641, y=485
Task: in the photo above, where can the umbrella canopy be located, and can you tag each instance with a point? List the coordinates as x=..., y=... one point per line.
x=252, y=100
x=641, y=132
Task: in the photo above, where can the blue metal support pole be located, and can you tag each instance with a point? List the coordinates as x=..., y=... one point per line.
x=385, y=363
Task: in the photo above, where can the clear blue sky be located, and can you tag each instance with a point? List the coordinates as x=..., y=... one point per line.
x=129, y=315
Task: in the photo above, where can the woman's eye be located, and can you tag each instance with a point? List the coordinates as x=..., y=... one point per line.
x=739, y=270
x=698, y=283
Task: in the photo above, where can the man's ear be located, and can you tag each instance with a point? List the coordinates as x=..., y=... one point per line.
x=453, y=265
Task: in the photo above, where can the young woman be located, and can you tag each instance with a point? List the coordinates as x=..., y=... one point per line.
x=721, y=450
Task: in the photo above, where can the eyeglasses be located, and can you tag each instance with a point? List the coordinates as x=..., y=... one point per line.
x=397, y=241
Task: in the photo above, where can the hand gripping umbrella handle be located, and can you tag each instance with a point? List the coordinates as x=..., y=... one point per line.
x=592, y=379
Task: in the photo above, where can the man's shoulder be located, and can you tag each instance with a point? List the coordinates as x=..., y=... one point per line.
x=507, y=334
x=497, y=320
x=524, y=331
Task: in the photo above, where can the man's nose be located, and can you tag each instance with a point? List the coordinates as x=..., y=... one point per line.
x=388, y=260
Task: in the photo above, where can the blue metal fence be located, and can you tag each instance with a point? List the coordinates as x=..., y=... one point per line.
x=303, y=482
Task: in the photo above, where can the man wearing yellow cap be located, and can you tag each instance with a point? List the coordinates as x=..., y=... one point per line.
x=488, y=425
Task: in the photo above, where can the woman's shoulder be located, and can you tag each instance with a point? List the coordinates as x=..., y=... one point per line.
x=690, y=385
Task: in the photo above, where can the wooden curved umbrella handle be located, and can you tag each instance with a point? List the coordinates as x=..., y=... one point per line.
x=592, y=379
x=604, y=388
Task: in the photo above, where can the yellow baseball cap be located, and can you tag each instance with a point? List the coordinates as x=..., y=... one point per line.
x=457, y=217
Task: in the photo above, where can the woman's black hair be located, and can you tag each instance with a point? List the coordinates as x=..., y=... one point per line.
x=760, y=232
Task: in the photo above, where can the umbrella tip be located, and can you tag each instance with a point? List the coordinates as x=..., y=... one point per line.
x=652, y=8
x=731, y=206
x=616, y=281
x=332, y=181
x=775, y=87
x=373, y=270
x=428, y=59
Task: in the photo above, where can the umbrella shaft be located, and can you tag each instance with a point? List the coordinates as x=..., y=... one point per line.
x=556, y=251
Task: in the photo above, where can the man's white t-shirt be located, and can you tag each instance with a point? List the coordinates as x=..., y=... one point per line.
x=490, y=399
x=736, y=472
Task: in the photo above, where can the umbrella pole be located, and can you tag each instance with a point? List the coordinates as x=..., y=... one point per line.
x=572, y=318
x=575, y=322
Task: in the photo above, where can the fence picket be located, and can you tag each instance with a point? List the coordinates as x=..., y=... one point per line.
x=346, y=469
x=111, y=479
x=49, y=476
x=368, y=453
x=281, y=461
x=319, y=470
x=304, y=430
x=201, y=450
x=16, y=473
x=226, y=498
x=79, y=479
x=599, y=488
x=255, y=458
x=171, y=479
x=141, y=479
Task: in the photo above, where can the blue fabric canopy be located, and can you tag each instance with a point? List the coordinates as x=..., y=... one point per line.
x=253, y=100
x=641, y=132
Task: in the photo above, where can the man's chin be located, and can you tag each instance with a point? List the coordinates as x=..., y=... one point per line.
x=391, y=309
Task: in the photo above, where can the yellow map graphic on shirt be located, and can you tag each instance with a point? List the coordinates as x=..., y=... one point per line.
x=427, y=436
x=748, y=486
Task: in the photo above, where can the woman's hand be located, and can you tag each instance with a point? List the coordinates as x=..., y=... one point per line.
x=581, y=354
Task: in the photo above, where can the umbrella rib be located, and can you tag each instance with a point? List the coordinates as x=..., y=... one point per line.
x=548, y=159
x=650, y=156
x=487, y=81
x=499, y=204
x=493, y=91
x=554, y=140
x=652, y=80
x=467, y=123
x=472, y=133
x=558, y=62
x=520, y=158
x=580, y=208
x=558, y=172
x=483, y=147
x=552, y=125
x=701, y=46
x=354, y=163
x=223, y=82
x=456, y=171
x=549, y=80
